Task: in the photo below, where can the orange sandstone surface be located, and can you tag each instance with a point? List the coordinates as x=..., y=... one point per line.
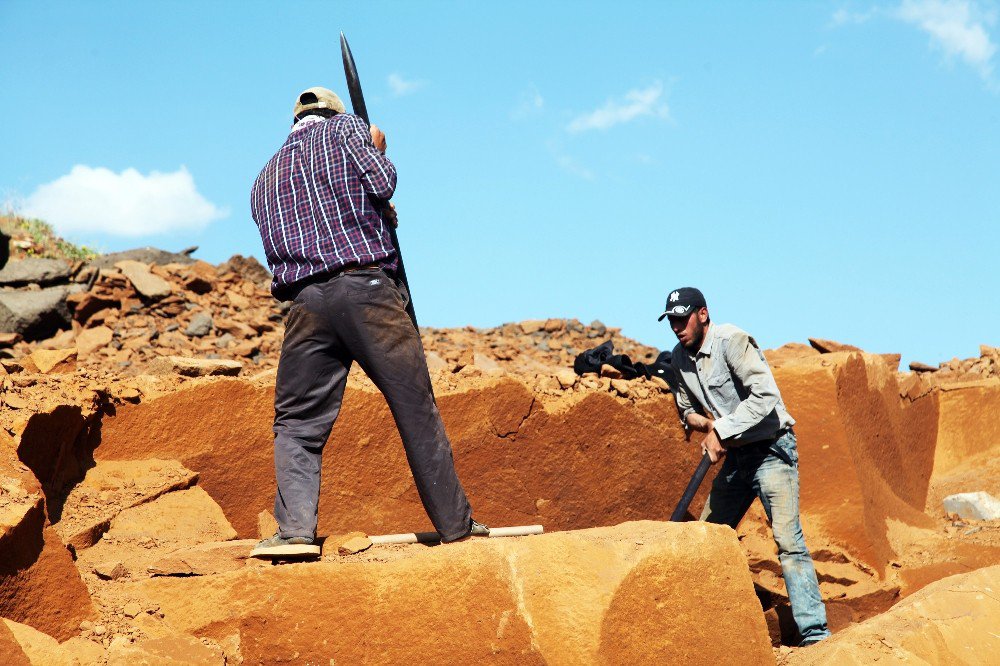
x=128, y=503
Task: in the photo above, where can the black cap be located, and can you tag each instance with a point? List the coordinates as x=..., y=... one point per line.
x=682, y=302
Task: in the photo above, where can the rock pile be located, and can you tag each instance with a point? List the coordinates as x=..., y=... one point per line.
x=121, y=313
x=969, y=370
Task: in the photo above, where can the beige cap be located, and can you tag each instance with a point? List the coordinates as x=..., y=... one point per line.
x=317, y=98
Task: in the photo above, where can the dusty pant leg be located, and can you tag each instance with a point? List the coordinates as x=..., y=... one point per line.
x=777, y=484
x=388, y=347
x=731, y=495
x=312, y=374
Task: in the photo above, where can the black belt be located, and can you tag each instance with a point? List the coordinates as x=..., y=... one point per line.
x=290, y=292
x=767, y=446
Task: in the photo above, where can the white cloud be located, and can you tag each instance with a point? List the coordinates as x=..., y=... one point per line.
x=530, y=102
x=636, y=104
x=400, y=86
x=98, y=200
x=958, y=27
x=845, y=17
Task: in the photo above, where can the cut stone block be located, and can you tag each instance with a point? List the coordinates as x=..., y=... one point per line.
x=951, y=621
x=39, y=584
x=112, y=486
x=144, y=534
x=635, y=593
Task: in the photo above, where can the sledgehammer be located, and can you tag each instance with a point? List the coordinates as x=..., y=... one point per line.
x=692, y=487
x=434, y=537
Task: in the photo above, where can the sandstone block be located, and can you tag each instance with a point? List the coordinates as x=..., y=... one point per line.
x=951, y=621
x=830, y=346
x=354, y=545
x=963, y=432
x=247, y=267
x=635, y=593
x=789, y=352
x=235, y=328
x=484, y=362
x=367, y=483
x=621, y=387
x=86, y=305
x=86, y=652
x=109, y=488
x=39, y=583
x=54, y=361
x=435, y=362
x=166, y=651
x=110, y=570
x=195, y=367
x=151, y=287
x=144, y=534
x=566, y=378
x=22, y=644
x=203, y=559
x=865, y=454
x=237, y=300
x=610, y=372
x=90, y=340
x=267, y=526
x=532, y=326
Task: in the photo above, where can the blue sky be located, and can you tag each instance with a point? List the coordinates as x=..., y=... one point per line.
x=823, y=169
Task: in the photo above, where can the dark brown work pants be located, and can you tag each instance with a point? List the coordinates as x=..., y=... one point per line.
x=357, y=316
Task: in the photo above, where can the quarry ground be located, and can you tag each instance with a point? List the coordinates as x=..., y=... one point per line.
x=134, y=480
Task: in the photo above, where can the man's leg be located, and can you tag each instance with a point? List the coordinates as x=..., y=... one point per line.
x=312, y=374
x=777, y=484
x=732, y=494
x=383, y=340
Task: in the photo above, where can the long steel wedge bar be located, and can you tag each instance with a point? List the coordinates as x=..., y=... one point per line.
x=692, y=488
x=434, y=537
x=360, y=110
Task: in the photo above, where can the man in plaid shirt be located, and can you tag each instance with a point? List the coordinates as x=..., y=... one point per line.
x=321, y=205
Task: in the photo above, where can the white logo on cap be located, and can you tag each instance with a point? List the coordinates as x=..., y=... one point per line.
x=678, y=309
x=674, y=296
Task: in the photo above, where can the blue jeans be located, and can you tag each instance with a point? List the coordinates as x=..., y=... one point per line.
x=772, y=474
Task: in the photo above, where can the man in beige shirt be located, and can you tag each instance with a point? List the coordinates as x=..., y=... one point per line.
x=725, y=389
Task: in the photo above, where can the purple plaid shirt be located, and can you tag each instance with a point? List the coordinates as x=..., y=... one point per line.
x=314, y=203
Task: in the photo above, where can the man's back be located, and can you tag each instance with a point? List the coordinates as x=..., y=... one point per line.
x=316, y=201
